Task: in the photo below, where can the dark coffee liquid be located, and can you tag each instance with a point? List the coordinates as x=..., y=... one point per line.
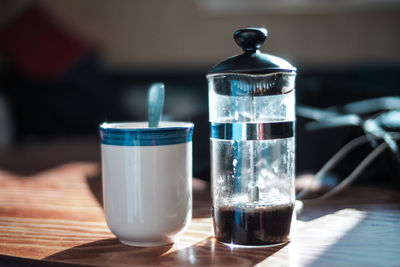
x=253, y=226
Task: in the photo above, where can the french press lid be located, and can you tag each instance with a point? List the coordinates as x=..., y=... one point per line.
x=252, y=61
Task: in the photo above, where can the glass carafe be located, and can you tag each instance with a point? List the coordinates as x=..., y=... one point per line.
x=252, y=117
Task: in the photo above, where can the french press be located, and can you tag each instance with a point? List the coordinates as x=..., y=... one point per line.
x=252, y=117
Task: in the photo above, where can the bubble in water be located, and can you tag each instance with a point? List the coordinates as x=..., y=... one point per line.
x=234, y=162
x=261, y=183
x=264, y=172
x=236, y=115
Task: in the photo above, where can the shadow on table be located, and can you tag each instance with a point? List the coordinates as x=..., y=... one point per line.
x=201, y=195
x=30, y=159
x=96, y=187
x=110, y=252
x=356, y=197
x=366, y=238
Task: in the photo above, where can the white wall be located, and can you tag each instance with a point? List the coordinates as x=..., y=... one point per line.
x=149, y=33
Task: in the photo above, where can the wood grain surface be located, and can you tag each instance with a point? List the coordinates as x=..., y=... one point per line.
x=55, y=215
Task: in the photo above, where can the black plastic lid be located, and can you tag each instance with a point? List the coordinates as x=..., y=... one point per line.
x=252, y=61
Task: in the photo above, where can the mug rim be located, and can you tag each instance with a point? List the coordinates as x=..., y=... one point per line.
x=139, y=134
x=143, y=126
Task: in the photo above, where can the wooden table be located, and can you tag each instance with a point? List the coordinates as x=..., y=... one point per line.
x=54, y=215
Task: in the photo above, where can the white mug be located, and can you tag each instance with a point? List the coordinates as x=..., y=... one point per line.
x=147, y=181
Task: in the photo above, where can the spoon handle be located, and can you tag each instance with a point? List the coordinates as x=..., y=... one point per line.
x=155, y=103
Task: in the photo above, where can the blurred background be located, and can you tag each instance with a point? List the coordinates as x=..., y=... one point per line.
x=67, y=66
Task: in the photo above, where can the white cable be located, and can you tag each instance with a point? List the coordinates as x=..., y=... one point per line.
x=355, y=173
x=332, y=163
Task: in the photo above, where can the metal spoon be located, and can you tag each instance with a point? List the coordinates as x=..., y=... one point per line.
x=155, y=101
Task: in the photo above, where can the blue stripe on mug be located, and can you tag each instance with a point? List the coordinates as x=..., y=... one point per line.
x=138, y=134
